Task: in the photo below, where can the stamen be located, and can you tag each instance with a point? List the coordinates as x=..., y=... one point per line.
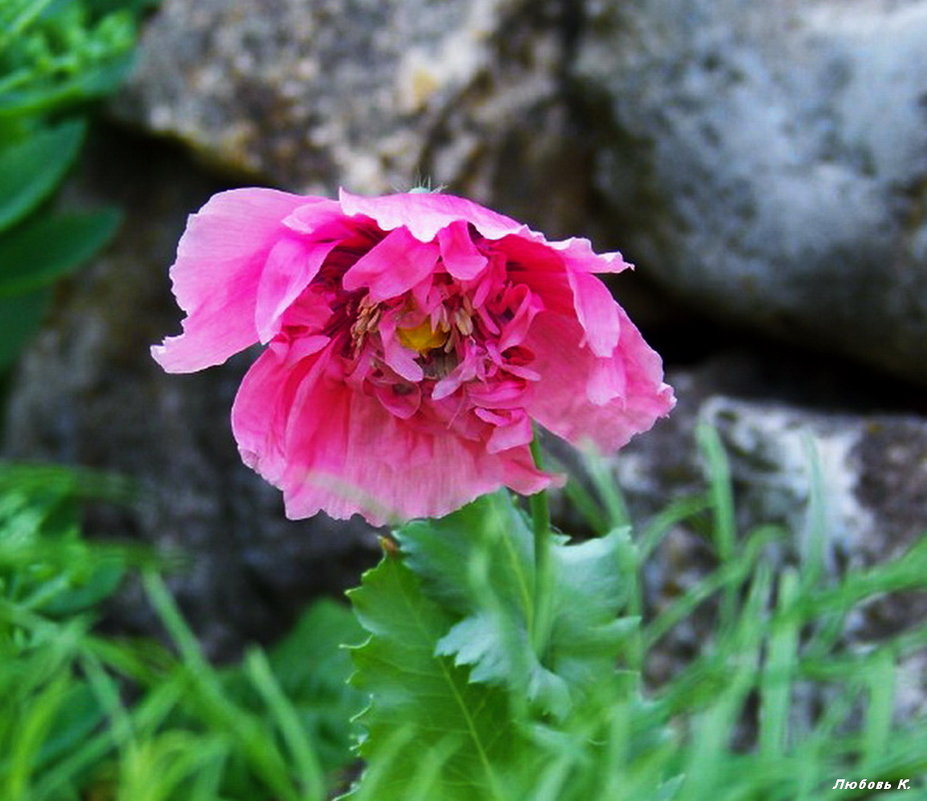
x=464, y=322
x=368, y=316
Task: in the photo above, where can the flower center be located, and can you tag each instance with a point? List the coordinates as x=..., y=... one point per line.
x=423, y=337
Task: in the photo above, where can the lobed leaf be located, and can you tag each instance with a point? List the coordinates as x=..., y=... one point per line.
x=422, y=703
x=478, y=564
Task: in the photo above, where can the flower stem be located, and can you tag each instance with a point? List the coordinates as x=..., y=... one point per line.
x=543, y=567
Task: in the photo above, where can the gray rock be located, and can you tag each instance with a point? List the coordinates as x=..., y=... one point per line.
x=767, y=162
x=869, y=468
x=372, y=94
x=88, y=393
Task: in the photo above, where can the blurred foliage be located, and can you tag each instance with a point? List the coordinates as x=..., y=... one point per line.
x=456, y=702
x=56, y=56
x=277, y=725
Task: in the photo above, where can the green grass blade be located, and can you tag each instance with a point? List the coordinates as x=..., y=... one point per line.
x=776, y=682
x=305, y=760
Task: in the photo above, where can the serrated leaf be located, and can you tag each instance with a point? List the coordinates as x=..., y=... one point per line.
x=35, y=254
x=31, y=169
x=478, y=563
x=424, y=704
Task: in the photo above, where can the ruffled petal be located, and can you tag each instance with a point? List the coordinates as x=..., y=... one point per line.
x=321, y=219
x=596, y=311
x=400, y=399
x=541, y=270
x=262, y=407
x=513, y=333
x=398, y=357
x=566, y=285
x=291, y=265
x=578, y=253
x=426, y=213
x=570, y=397
x=509, y=431
x=459, y=254
x=215, y=277
x=393, y=266
x=347, y=455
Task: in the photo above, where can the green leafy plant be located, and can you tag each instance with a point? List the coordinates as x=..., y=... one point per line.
x=464, y=705
x=55, y=57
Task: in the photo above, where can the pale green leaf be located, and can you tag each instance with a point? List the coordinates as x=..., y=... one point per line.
x=422, y=704
x=478, y=563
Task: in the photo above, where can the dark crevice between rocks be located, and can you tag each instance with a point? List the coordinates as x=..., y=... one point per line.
x=754, y=367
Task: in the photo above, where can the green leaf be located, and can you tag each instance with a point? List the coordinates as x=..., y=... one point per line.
x=77, y=718
x=20, y=317
x=31, y=169
x=425, y=715
x=35, y=254
x=92, y=585
x=478, y=563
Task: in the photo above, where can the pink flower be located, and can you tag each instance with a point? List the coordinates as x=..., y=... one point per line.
x=411, y=341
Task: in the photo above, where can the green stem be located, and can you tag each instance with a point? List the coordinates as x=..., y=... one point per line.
x=543, y=567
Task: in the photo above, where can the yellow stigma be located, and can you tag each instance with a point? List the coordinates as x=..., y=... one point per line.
x=422, y=338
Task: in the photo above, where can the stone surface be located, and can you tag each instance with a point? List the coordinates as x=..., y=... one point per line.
x=767, y=162
x=88, y=393
x=372, y=94
x=870, y=464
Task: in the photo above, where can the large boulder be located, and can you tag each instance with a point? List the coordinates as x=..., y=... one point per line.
x=374, y=95
x=767, y=162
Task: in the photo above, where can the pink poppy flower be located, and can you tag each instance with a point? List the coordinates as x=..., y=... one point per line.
x=412, y=339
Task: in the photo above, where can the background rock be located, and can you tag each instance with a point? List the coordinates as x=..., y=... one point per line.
x=768, y=162
x=371, y=94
